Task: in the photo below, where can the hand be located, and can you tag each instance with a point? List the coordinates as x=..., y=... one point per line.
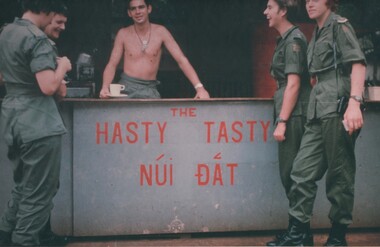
x=61, y=92
x=313, y=81
x=104, y=93
x=353, y=116
x=202, y=94
x=64, y=61
x=279, y=132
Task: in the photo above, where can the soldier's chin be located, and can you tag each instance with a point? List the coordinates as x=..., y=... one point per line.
x=312, y=16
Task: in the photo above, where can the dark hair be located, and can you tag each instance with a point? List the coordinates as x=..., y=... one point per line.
x=62, y=9
x=292, y=8
x=38, y=6
x=147, y=2
x=332, y=4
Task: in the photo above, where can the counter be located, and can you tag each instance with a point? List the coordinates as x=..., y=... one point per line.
x=184, y=166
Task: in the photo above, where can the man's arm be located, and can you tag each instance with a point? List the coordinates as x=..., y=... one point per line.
x=290, y=100
x=61, y=92
x=184, y=64
x=353, y=115
x=50, y=81
x=110, y=70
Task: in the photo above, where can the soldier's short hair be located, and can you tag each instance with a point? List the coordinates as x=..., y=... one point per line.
x=332, y=4
x=38, y=6
x=147, y=2
x=62, y=10
x=292, y=8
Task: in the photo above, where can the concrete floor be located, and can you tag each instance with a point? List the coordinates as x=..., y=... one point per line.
x=369, y=237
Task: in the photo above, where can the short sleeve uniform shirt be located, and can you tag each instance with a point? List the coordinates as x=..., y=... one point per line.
x=27, y=114
x=290, y=58
x=332, y=84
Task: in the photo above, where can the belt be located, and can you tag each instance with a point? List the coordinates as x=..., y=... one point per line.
x=322, y=76
x=281, y=84
x=22, y=89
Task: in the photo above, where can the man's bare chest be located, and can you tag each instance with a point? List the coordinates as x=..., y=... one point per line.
x=134, y=47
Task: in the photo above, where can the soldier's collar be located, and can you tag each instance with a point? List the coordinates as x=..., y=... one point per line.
x=24, y=22
x=333, y=17
x=51, y=42
x=287, y=33
x=329, y=20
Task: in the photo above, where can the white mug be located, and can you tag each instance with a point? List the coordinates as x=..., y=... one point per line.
x=116, y=88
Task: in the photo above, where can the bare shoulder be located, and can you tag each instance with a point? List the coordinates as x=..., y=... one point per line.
x=125, y=31
x=160, y=29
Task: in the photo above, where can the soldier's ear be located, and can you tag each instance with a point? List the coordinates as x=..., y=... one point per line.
x=283, y=12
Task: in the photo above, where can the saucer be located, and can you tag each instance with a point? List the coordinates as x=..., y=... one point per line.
x=118, y=96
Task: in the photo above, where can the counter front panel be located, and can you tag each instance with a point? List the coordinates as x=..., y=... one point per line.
x=152, y=167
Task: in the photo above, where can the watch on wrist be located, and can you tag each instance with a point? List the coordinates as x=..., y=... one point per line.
x=280, y=120
x=357, y=98
x=198, y=85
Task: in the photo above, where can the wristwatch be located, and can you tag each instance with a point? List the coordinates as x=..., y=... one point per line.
x=357, y=98
x=198, y=85
x=280, y=120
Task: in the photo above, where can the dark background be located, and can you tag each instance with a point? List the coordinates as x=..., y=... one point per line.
x=218, y=37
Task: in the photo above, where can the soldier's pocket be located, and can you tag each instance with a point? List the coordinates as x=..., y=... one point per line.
x=324, y=55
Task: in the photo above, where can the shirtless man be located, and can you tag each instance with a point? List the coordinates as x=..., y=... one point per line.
x=141, y=45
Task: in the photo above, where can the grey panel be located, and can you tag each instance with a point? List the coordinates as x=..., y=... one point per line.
x=102, y=193
x=110, y=200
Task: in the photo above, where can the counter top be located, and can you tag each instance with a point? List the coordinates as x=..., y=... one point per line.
x=173, y=100
x=163, y=100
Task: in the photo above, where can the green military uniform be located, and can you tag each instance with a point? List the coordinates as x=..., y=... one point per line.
x=290, y=58
x=139, y=89
x=32, y=128
x=326, y=146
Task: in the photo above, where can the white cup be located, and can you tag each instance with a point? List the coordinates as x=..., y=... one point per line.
x=116, y=88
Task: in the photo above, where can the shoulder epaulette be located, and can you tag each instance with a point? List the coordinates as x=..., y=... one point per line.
x=297, y=36
x=342, y=20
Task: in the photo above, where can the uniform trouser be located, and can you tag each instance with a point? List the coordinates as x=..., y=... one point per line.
x=325, y=147
x=36, y=168
x=288, y=149
x=139, y=89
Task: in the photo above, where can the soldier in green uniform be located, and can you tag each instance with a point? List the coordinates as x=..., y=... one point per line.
x=31, y=124
x=334, y=118
x=53, y=31
x=289, y=69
